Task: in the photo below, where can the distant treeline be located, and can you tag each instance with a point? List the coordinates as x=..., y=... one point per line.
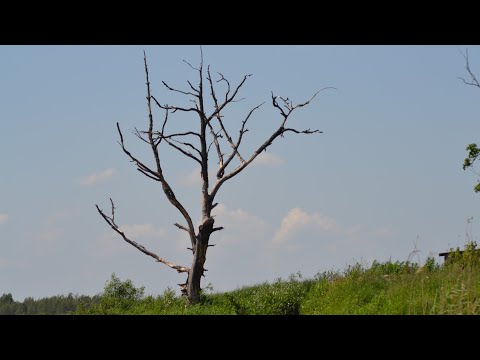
x=54, y=305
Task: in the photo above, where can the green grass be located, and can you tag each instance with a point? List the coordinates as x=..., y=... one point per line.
x=283, y=297
x=382, y=288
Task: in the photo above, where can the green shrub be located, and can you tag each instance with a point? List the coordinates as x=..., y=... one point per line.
x=118, y=297
x=278, y=298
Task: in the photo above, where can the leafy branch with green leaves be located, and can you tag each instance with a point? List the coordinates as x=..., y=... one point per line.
x=473, y=150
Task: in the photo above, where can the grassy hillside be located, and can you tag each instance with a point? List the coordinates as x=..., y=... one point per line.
x=383, y=288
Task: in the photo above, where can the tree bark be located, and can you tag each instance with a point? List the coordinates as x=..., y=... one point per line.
x=196, y=272
x=199, y=256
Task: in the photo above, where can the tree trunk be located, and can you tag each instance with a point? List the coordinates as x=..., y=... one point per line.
x=200, y=254
x=196, y=272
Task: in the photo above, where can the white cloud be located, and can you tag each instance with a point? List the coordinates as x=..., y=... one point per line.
x=240, y=226
x=297, y=220
x=3, y=218
x=111, y=244
x=190, y=179
x=268, y=159
x=313, y=242
x=194, y=177
x=300, y=230
x=239, y=248
x=142, y=231
x=51, y=231
x=97, y=177
x=50, y=235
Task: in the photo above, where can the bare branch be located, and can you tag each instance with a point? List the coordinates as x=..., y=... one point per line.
x=235, y=152
x=188, y=145
x=217, y=229
x=173, y=108
x=179, y=91
x=228, y=99
x=154, y=146
x=147, y=175
x=139, y=164
x=156, y=143
x=139, y=135
x=275, y=104
x=212, y=90
x=160, y=134
x=228, y=85
x=237, y=101
x=194, y=68
x=186, y=153
x=313, y=97
x=234, y=147
x=203, y=142
x=113, y=211
x=200, y=110
x=215, y=135
x=217, y=144
x=473, y=79
x=308, y=131
x=183, y=288
x=192, y=87
x=111, y=222
x=181, y=227
x=237, y=144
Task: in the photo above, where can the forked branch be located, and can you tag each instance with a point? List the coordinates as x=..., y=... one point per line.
x=473, y=79
x=140, y=166
x=111, y=221
x=228, y=99
x=236, y=145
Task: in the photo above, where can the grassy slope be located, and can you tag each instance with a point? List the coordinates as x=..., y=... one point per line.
x=387, y=288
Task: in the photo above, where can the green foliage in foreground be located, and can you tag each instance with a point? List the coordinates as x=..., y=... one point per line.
x=278, y=298
x=383, y=288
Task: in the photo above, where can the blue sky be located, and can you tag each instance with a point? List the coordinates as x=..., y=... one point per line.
x=385, y=173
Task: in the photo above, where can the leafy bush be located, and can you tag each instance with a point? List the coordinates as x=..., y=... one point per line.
x=118, y=296
x=278, y=298
x=469, y=257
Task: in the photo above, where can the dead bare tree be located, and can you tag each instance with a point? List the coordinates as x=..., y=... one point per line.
x=196, y=146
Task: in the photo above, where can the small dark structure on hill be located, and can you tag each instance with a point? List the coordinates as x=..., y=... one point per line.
x=448, y=253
